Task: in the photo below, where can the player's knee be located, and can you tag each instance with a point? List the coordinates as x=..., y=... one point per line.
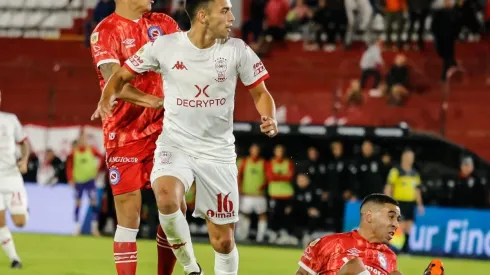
x=169, y=194
x=19, y=220
x=223, y=243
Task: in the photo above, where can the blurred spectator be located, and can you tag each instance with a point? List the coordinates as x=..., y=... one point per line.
x=58, y=167
x=329, y=18
x=340, y=179
x=280, y=171
x=387, y=164
x=418, y=11
x=82, y=167
x=252, y=181
x=359, y=16
x=255, y=24
x=354, y=93
x=320, y=20
x=181, y=17
x=316, y=171
x=276, y=12
x=468, y=10
x=404, y=186
x=470, y=190
x=304, y=214
x=298, y=16
x=371, y=64
x=103, y=9
x=444, y=30
x=394, y=15
x=398, y=81
x=368, y=174
x=32, y=166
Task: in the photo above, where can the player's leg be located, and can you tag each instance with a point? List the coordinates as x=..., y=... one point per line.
x=171, y=178
x=16, y=203
x=217, y=202
x=92, y=194
x=353, y=267
x=166, y=257
x=261, y=210
x=78, y=202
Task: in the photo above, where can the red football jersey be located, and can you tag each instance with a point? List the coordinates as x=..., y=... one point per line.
x=114, y=40
x=325, y=256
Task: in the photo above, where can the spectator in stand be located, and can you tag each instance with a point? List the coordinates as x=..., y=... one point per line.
x=304, y=214
x=444, y=30
x=32, y=166
x=469, y=10
x=83, y=166
x=397, y=81
x=368, y=174
x=404, y=186
x=359, y=16
x=298, y=16
x=276, y=12
x=395, y=10
x=371, y=64
x=255, y=24
x=340, y=179
x=470, y=190
x=103, y=9
x=181, y=17
x=354, y=95
x=418, y=11
x=337, y=26
x=320, y=24
x=252, y=182
x=280, y=172
x=58, y=168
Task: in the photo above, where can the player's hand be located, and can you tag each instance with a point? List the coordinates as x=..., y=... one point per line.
x=156, y=102
x=104, y=108
x=269, y=126
x=22, y=164
x=313, y=212
x=421, y=210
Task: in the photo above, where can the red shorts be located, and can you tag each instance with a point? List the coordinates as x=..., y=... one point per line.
x=130, y=166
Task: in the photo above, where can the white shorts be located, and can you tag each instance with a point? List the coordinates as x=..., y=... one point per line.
x=252, y=204
x=216, y=183
x=14, y=201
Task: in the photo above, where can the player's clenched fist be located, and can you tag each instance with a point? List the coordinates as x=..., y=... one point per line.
x=269, y=126
x=104, y=108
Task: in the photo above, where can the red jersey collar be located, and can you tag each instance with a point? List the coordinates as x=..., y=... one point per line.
x=118, y=17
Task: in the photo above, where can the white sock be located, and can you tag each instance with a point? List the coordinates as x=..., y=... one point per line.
x=226, y=264
x=261, y=229
x=178, y=234
x=8, y=245
x=125, y=235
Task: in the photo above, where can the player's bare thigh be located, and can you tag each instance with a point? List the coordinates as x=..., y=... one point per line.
x=3, y=221
x=169, y=193
x=128, y=208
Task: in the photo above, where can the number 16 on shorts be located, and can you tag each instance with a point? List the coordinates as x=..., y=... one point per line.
x=225, y=210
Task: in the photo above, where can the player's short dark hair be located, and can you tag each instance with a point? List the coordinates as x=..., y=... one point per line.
x=193, y=6
x=379, y=199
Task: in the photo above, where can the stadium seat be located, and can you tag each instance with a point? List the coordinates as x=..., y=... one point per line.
x=18, y=19
x=4, y=19
x=58, y=20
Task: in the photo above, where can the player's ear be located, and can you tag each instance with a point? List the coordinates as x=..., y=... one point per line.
x=369, y=216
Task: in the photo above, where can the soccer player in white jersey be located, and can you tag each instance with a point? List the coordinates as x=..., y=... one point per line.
x=200, y=69
x=13, y=196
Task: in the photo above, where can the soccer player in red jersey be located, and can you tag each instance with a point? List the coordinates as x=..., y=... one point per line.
x=363, y=251
x=130, y=134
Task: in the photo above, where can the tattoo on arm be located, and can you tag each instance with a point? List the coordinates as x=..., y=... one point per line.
x=108, y=69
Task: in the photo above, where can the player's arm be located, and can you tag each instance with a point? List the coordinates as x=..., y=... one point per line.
x=253, y=73
x=25, y=149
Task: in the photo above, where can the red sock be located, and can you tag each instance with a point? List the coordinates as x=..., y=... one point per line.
x=166, y=257
x=126, y=258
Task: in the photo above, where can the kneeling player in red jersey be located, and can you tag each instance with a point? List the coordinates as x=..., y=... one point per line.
x=130, y=134
x=359, y=252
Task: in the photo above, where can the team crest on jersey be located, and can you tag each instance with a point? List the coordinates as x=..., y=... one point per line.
x=221, y=67
x=154, y=32
x=382, y=260
x=114, y=176
x=94, y=38
x=165, y=157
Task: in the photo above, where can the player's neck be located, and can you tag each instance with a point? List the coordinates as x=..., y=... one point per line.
x=201, y=38
x=128, y=14
x=369, y=236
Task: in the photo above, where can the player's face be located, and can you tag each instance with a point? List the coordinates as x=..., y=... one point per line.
x=254, y=150
x=279, y=152
x=220, y=18
x=312, y=153
x=408, y=158
x=141, y=5
x=386, y=222
x=367, y=148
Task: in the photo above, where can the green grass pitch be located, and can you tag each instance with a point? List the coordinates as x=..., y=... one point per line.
x=66, y=255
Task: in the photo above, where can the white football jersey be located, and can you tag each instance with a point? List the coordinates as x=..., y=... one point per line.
x=199, y=87
x=11, y=134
